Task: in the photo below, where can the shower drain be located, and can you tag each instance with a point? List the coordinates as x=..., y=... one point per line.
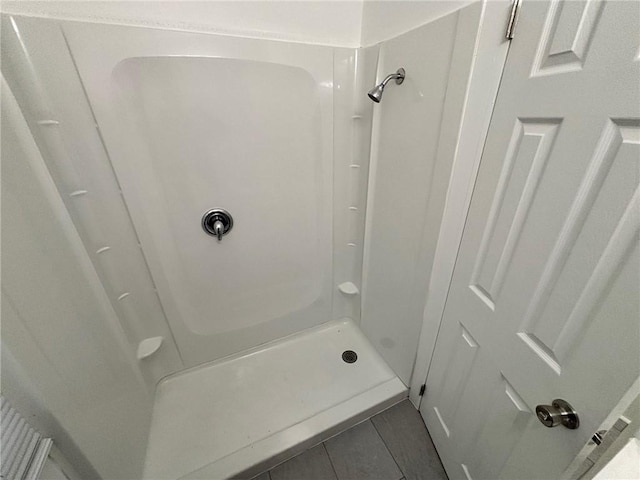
x=349, y=356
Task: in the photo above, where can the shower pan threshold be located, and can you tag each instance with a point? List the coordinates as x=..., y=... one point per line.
x=247, y=413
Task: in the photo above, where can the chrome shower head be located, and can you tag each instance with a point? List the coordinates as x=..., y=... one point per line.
x=376, y=92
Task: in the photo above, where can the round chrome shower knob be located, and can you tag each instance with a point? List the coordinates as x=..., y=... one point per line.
x=217, y=223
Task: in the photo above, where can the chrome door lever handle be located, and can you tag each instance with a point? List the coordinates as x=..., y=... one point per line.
x=559, y=412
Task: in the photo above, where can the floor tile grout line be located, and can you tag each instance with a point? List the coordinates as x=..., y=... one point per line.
x=387, y=447
x=326, y=450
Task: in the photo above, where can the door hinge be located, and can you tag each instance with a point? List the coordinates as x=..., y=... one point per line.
x=597, y=437
x=513, y=19
x=423, y=387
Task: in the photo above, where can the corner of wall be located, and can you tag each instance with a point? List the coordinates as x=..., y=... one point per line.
x=384, y=20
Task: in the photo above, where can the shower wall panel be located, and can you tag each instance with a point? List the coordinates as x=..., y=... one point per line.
x=66, y=365
x=41, y=73
x=193, y=122
x=412, y=160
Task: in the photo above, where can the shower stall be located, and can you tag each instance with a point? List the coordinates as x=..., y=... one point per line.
x=218, y=185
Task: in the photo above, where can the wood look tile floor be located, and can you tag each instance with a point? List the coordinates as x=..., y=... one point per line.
x=393, y=445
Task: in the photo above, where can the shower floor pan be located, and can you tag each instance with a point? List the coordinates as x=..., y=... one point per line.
x=247, y=413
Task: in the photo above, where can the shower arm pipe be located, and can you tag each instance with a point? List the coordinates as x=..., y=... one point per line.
x=376, y=92
x=397, y=76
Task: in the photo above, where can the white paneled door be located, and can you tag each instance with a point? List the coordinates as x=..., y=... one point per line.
x=544, y=298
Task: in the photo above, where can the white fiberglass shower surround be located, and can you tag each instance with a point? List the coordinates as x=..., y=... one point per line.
x=143, y=131
x=192, y=124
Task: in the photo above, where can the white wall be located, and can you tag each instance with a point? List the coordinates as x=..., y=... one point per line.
x=348, y=23
x=383, y=20
x=414, y=138
x=193, y=122
x=334, y=23
x=353, y=72
x=39, y=69
x=65, y=364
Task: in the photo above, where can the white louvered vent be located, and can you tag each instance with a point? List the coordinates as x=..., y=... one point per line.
x=23, y=450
